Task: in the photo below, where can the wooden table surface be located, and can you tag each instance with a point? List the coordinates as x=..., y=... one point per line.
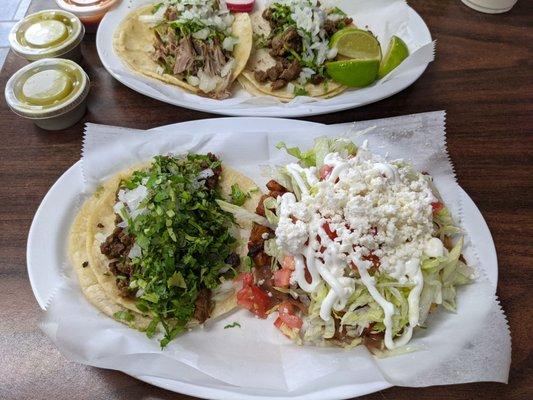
x=481, y=76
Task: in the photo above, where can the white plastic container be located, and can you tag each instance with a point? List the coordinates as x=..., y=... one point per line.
x=46, y=34
x=490, y=6
x=90, y=12
x=51, y=92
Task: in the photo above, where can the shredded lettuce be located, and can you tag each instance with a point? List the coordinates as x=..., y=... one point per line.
x=322, y=146
x=445, y=223
x=242, y=213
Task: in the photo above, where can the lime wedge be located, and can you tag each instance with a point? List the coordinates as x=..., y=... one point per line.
x=396, y=53
x=354, y=73
x=356, y=43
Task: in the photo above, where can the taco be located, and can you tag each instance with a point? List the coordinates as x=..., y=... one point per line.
x=291, y=48
x=195, y=44
x=357, y=249
x=154, y=246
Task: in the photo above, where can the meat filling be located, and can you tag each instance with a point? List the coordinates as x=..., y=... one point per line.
x=281, y=47
x=187, y=56
x=256, y=251
x=203, y=305
x=117, y=247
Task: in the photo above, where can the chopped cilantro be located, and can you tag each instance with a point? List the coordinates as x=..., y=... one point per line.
x=124, y=316
x=260, y=41
x=280, y=17
x=185, y=239
x=233, y=325
x=337, y=11
x=238, y=197
x=300, y=91
x=156, y=7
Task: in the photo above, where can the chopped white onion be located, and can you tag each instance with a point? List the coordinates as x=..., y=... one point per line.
x=135, y=251
x=229, y=42
x=207, y=83
x=227, y=68
x=193, y=80
x=202, y=34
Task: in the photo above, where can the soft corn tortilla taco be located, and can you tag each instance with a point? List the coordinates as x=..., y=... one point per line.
x=149, y=44
x=287, y=61
x=97, y=222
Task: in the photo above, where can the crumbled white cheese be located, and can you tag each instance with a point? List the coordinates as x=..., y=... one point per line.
x=371, y=205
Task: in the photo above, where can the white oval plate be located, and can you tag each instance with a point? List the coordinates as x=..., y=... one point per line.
x=47, y=254
x=416, y=29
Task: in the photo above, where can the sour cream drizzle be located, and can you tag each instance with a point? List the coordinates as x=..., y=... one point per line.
x=325, y=263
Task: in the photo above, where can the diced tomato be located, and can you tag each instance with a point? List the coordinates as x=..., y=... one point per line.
x=287, y=316
x=247, y=279
x=282, y=277
x=437, y=206
x=278, y=322
x=254, y=299
x=325, y=171
x=332, y=234
x=288, y=262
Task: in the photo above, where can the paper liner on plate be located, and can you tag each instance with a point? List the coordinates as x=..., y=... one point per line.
x=471, y=345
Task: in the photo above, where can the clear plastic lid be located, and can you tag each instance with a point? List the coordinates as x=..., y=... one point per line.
x=85, y=8
x=48, y=33
x=47, y=88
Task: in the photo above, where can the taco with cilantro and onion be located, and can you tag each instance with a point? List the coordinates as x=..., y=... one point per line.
x=291, y=48
x=357, y=249
x=198, y=45
x=154, y=248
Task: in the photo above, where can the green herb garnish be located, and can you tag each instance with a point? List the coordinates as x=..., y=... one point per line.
x=300, y=91
x=124, y=316
x=184, y=236
x=233, y=325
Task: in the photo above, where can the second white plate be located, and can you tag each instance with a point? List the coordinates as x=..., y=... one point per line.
x=414, y=31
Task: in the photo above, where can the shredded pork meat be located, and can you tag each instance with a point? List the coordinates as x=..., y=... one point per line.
x=186, y=56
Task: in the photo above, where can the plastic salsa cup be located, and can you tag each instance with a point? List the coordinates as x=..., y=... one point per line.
x=90, y=12
x=48, y=33
x=51, y=92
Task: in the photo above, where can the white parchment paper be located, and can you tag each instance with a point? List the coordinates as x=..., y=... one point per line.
x=384, y=18
x=472, y=345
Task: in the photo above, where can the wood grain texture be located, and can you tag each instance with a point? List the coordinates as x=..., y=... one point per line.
x=481, y=76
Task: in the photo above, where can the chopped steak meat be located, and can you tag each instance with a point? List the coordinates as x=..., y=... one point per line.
x=260, y=76
x=275, y=71
x=292, y=71
x=333, y=26
x=278, y=84
x=203, y=305
x=212, y=181
x=282, y=46
x=117, y=247
x=233, y=259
